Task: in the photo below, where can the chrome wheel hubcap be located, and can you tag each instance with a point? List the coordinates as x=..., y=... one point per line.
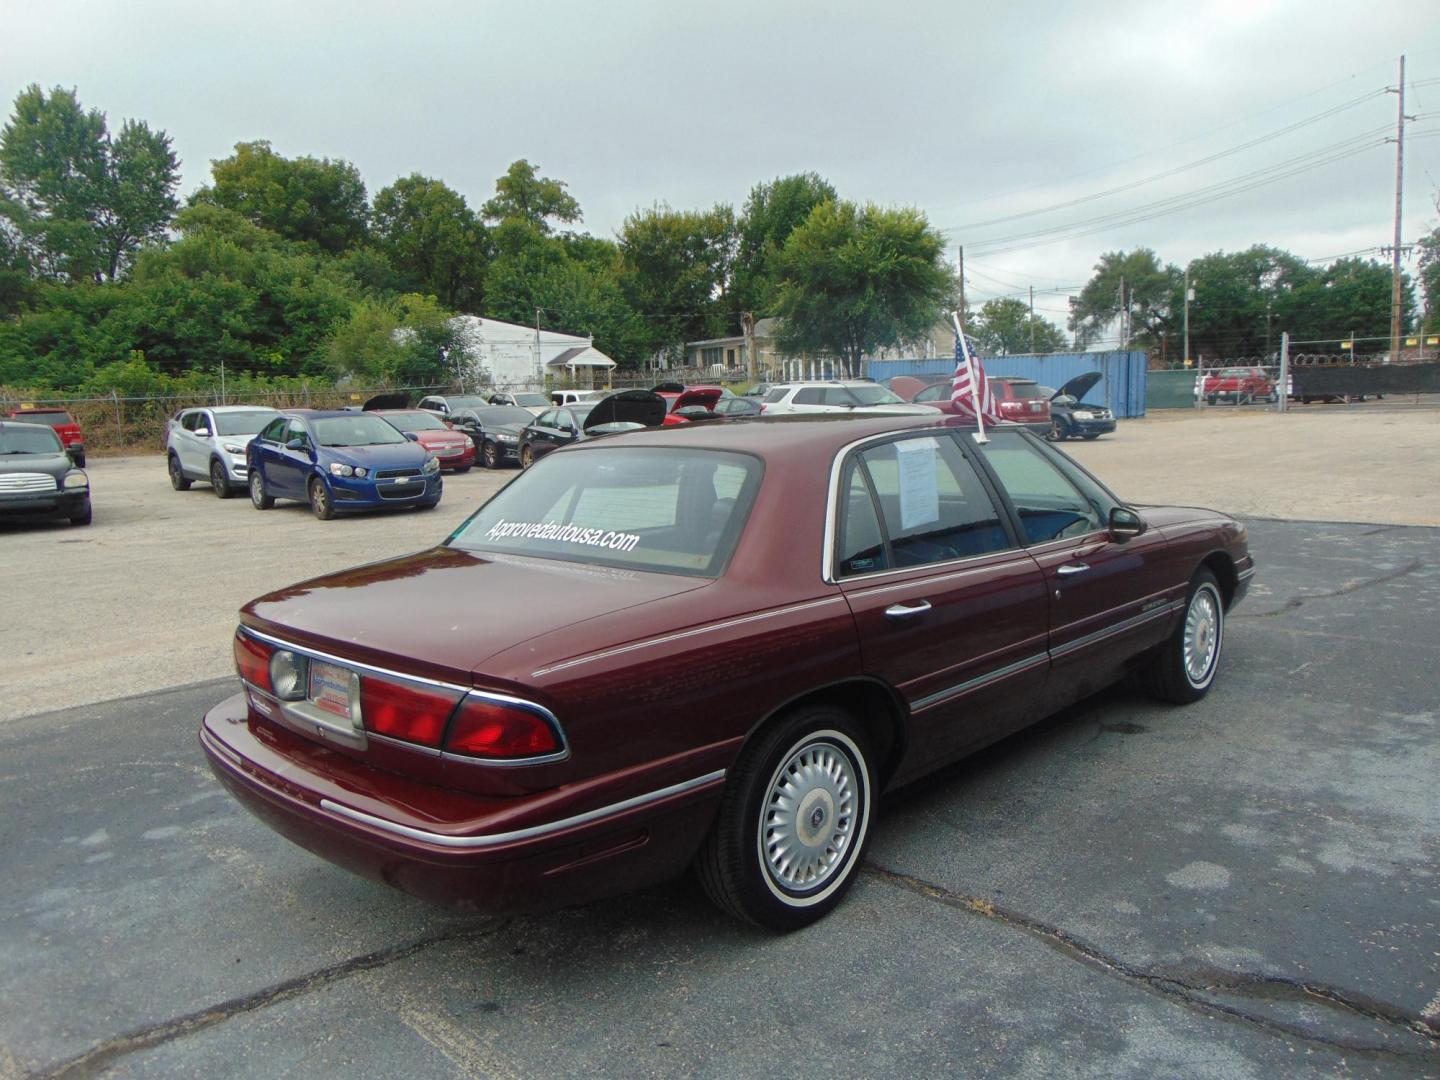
x=1202, y=635
x=810, y=816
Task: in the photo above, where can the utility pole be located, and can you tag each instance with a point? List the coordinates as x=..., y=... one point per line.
x=539, y=368
x=1032, y=319
x=1124, y=318
x=1283, y=390
x=962, y=285
x=747, y=326
x=1399, y=193
x=1189, y=295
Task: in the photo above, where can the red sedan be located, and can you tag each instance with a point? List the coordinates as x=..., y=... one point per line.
x=454, y=449
x=734, y=637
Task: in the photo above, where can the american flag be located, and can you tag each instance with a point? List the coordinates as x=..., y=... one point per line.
x=967, y=362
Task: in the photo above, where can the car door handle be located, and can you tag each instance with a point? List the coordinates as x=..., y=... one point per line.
x=899, y=611
x=1072, y=568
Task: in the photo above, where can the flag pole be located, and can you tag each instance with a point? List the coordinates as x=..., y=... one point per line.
x=980, y=436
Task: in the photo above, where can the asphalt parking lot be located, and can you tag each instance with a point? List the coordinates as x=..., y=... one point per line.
x=1238, y=888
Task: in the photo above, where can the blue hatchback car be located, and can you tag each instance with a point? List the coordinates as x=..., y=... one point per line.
x=340, y=461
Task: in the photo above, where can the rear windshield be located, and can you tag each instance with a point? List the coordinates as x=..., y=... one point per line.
x=505, y=414
x=28, y=439
x=465, y=401
x=243, y=423
x=536, y=400
x=361, y=429
x=54, y=419
x=670, y=511
x=416, y=421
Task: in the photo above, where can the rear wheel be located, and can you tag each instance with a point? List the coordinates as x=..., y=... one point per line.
x=219, y=482
x=791, y=830
x=258, y=497
x=1184, y=669
x=321, y=504
x=178, y=480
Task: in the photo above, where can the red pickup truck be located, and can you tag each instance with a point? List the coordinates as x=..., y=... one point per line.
x=63, y=423
x=1239, y=384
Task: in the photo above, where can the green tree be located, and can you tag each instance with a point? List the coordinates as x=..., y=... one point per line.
x=521, y=195
x=1430, y=274
x=1153, y=291
x=856, y=279
x=1004, y=327
x=1350, y=296
x=772, y=212
x=1241, y=299
x=404, y=341
x=80, y=203
x=320, y=202
x=432, y=239
x=674, y=268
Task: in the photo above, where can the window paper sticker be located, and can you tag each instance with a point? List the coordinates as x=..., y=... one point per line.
x=919, y=487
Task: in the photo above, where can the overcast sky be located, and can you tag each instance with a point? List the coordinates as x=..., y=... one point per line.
x=968, y=111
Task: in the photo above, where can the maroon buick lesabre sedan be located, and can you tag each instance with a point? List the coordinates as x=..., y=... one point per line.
x=720, y=644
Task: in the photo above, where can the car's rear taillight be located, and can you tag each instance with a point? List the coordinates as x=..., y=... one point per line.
x=492, y=729
x=763, y=406
x=407, y=711
x=252, y=661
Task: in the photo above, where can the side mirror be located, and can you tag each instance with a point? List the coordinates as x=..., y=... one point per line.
x=1125, y=523
x=202, y=432
x=295, y=444
x=411, y=436
x=73, y=455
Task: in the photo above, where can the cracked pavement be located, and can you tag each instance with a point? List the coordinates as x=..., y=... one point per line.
x=1243, y=887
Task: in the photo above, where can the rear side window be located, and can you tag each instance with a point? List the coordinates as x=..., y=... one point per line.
x=669, y=511
x=274, y=431
x=932, y=502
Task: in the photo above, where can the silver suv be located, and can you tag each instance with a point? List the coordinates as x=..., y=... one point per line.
x=830, y=397
x=209, y=444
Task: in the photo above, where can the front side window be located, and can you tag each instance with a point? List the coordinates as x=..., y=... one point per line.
x=297, y=431
x=668, y=511
x=1051, y=507
x=774, y=394
x=808, y=395
x=932, y=503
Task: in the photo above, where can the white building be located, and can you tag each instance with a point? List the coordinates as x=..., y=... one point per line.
x=510, y=356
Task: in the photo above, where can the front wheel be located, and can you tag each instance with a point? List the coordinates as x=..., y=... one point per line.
x=1058, y=431
x=83, y=516
x=258, y=497
x=321, y=504
x=490, y=456
x=1089, y=435
x=1184, y=669
x=527, y=457
x=219, y=482
x=178, y=480
x=791, y=830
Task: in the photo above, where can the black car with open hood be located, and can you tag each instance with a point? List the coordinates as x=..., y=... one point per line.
x=624, y=410
x=1070, y=415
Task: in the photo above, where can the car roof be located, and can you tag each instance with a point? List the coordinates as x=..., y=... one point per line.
x=825, y=382
x=236, y=408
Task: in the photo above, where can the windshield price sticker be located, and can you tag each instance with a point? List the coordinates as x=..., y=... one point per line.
x=330, y=688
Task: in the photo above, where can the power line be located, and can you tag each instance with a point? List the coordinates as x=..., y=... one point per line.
x=1249, y=144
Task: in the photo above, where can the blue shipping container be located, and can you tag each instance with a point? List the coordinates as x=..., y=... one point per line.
x=1122, y=374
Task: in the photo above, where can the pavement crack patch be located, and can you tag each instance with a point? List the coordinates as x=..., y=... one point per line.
x=1190, y=987
x=99, y=1058
x=1344, y=590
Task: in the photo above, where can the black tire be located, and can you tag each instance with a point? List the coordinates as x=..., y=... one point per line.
x=219, y=482
x=1059, y=430
x=1167, y=676
x=527, y=457
x=322, y=503
x=428, y=505
x=806, y=750
x=178, y=480
x=1088, y=435
x=462, y=468
x=490, y=455
x=84, y=517
x=258, y=498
